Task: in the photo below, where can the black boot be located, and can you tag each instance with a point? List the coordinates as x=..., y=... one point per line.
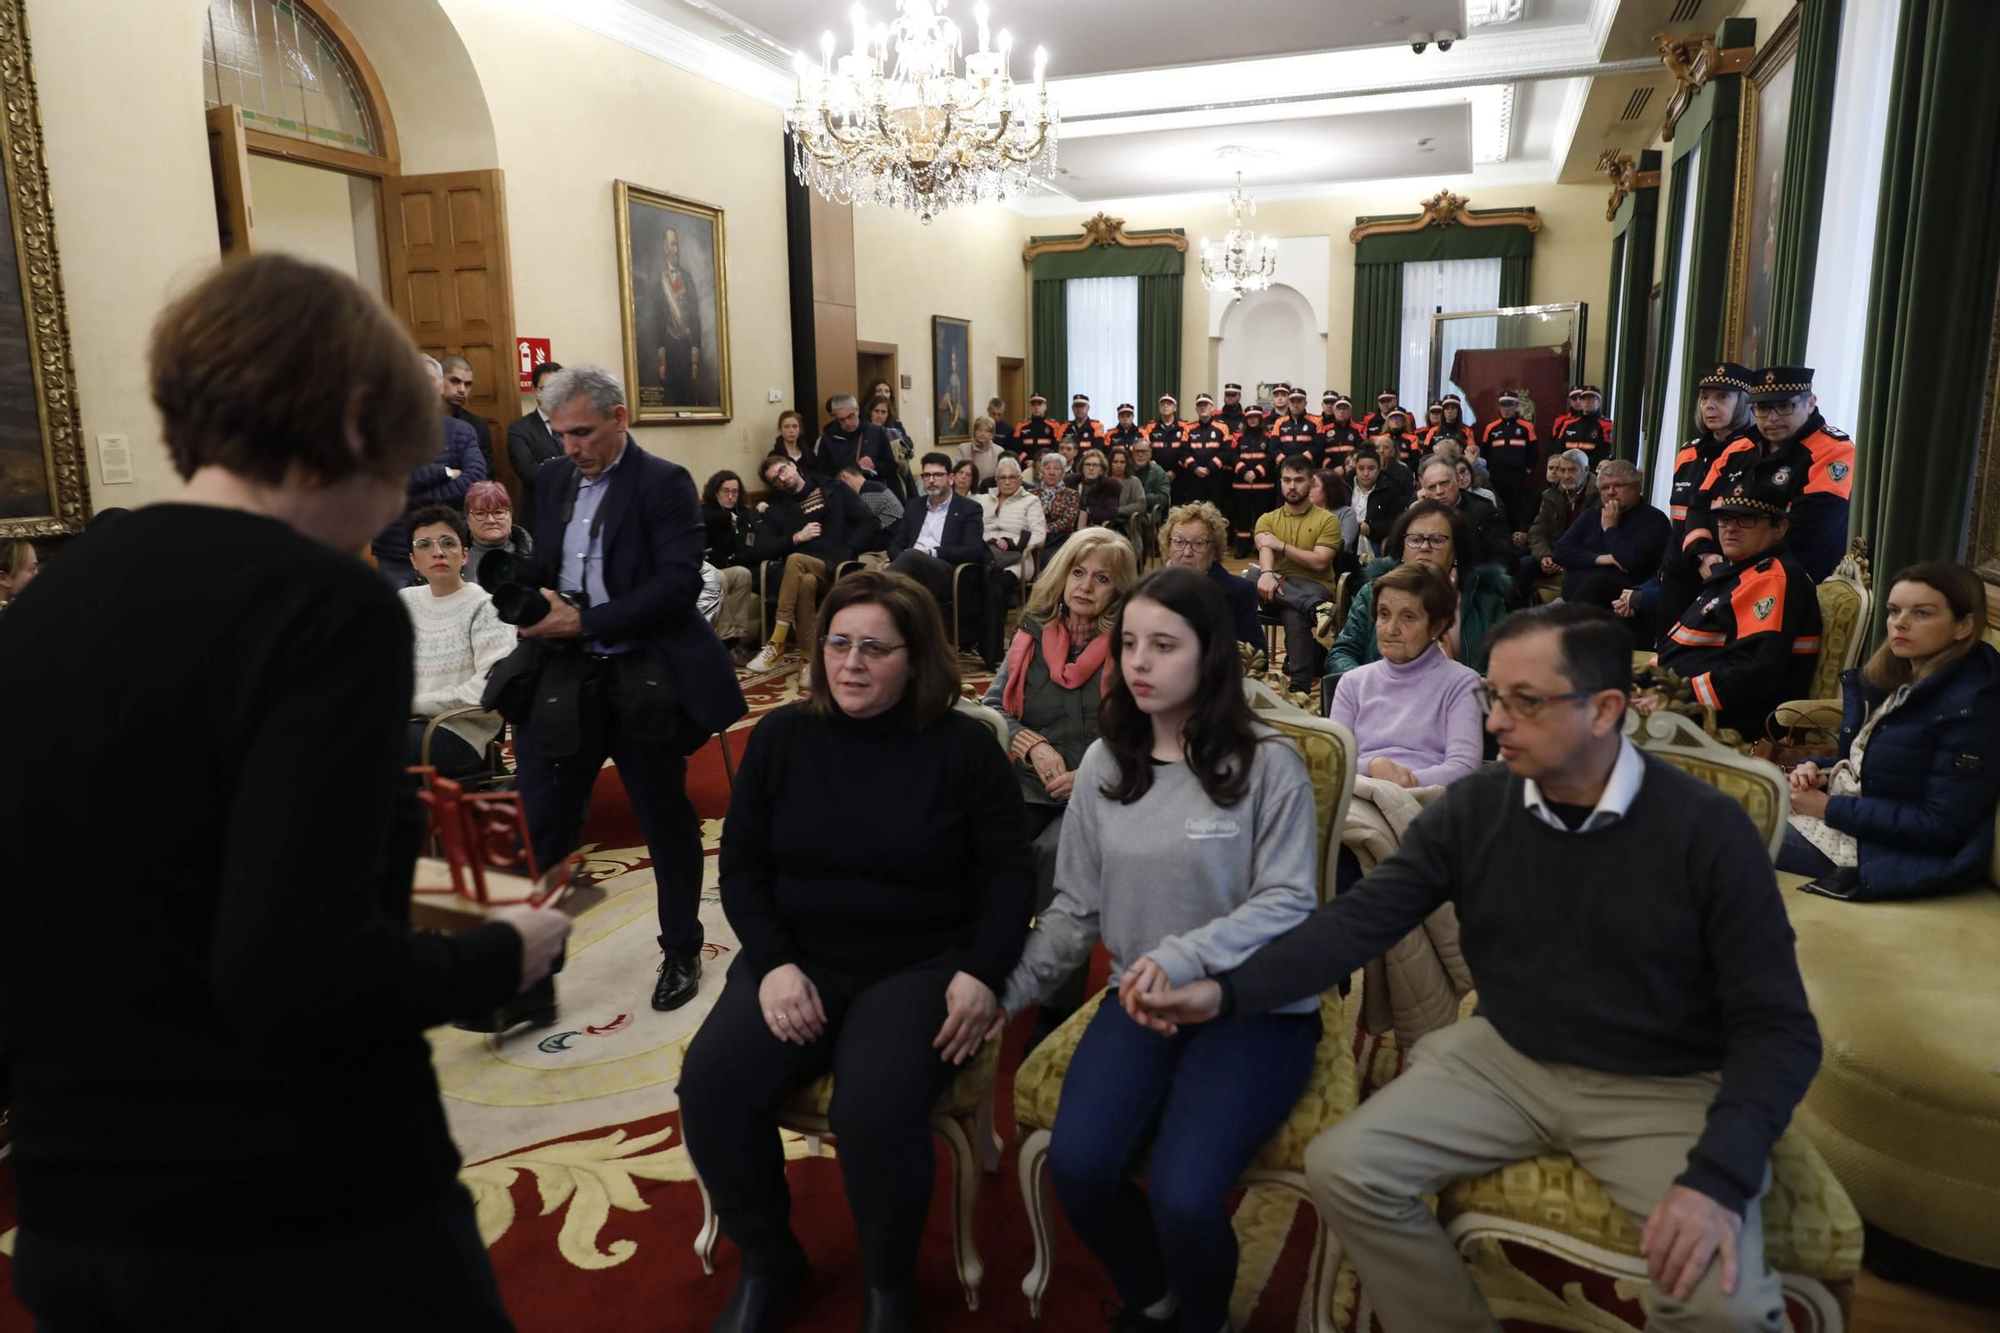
x=765, y=1294
x=889, y=1310
x=535, y=1006
x=680, y=978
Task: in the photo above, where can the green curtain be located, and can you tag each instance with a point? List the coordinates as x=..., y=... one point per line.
x=1514, y=279
x=1049, y=346
x=1803, y=189
x=1378, y=330
x=1635, y=229
x=1453, y=242
x=1714, y=204
x=1111, y=261
x=1937, y=260
x=1159, y=341
x=1670, y=278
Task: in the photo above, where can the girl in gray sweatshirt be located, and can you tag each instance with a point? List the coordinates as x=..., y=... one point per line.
x=1191, y=842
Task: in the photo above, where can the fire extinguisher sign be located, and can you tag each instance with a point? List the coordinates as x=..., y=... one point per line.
x=529, y=353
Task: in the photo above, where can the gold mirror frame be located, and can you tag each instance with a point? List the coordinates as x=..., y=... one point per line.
x=45, y=325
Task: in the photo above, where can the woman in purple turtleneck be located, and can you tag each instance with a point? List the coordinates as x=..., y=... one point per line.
x=1412, y=713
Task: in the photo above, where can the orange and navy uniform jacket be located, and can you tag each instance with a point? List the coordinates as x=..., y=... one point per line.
x=1035, y=434
x=1749, y=640
x=1592, y=434
x=1338, y=440
x=1288, y=428
x=1254, y=479
x=1508, y=445
x=1208, y=445
x=1816, y=466
x=1691, y=469
x=1405, y=449
x=1087, y=432
x=1432, y=434
x=1377, y=423
x=1295, y=437
x=1124, y=437
x=1166, y=437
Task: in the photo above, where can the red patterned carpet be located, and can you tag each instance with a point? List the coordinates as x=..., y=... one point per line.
x=588, y=1202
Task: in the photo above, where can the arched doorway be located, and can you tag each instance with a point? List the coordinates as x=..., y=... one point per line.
x=307, y=159
x=1269, y=336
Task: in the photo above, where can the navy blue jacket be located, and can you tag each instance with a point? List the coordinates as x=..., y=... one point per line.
x=653, y=541
x=1241, y=595
x=429, y=485
x=1930, y=780
x=1638, y=539
x=963, y=541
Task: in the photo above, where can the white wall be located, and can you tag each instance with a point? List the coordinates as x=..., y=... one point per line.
x=307, y=212
x=1270, y=335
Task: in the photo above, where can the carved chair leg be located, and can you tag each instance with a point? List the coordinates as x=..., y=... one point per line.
x=1034, y=1174
x=965, y=1173
x=711, y=1230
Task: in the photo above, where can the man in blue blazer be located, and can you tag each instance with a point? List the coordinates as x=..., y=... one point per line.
x=940, y=528
x=625, y=528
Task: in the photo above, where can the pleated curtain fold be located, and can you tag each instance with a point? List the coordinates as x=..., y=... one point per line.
x=1160, y=343
x=1802, y=192
x=1049, y=346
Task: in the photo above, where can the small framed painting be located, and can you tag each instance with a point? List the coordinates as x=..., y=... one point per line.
x=951, y=377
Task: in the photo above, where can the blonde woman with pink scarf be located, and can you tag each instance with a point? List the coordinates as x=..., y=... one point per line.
x=1049, y=687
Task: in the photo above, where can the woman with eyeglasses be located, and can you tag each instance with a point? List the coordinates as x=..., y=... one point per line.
x=879, y=967
x=1193, y=537
x=459, y=638
x=1430, y=532
x=489, y=517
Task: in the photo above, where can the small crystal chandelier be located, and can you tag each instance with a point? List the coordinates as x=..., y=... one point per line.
x=1244, y=262
x=894, y=123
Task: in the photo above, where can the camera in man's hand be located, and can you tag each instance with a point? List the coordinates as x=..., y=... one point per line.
x=522, y=604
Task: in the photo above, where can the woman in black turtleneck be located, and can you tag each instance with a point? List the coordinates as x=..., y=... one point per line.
x=877, y=961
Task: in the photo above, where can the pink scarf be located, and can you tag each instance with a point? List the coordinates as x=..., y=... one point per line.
x=1055, y=655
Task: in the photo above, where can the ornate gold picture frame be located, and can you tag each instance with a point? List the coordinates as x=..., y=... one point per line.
x=951, y=378
x=673, y=294
x=1762, y=129
x=44, y=490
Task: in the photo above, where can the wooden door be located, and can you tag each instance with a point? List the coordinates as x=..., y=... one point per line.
x=1012, y=385
x=229, y=165
x=450, y=280
x=877, y=361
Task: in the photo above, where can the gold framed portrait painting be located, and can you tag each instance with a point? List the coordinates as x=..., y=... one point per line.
x=1763, y=131
x=673, y=291
x=43, y=488
x=951, y=377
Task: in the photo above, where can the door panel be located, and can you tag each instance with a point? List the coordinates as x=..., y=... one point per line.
x=229, y=164
x=450, y=280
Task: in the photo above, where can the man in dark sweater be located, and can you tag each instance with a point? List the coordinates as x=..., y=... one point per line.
x=818, y=529
x=1640, y=1005
x=1615, y=544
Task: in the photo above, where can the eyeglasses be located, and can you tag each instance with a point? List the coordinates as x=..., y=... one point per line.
x=1188, y=545
x=1427, y=541
x=875, y=650
x=505, y=513
x=934, y=475
x=1519, y=705
x=445, y=544
x=1776, y=409
x=1739, y=520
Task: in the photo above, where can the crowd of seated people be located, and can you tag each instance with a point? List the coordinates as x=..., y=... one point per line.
x=1430, y=532
x=1411, y=710
x=459, y=638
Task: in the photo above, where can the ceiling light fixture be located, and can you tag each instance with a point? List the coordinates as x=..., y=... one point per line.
x=1243, y=262
x=894, y=123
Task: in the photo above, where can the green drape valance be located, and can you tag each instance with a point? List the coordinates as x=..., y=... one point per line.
x=1113, y=261
x=1437, y=243
x=1937, y=261
x=1803, y=190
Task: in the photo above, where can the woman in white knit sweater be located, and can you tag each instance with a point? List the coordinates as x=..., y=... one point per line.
x=459, y=638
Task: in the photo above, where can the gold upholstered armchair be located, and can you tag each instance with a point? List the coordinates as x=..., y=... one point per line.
x=1812, y=1233
x=1332, y=1093
x=962, y=1117
x=1846, y=600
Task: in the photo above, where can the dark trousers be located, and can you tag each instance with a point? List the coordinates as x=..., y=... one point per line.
x=1296, y=604
x=886, y=1076
x=996, y=597
x=1045, y=823
x=935, y=575
x=424, y=1267
x=557, y=795
x=1799, y=857
x=1207, y=1100
x=450, y=755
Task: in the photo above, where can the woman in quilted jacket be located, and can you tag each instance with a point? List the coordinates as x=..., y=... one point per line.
x=1924, y=713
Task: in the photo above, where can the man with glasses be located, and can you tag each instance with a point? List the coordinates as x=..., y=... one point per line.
x=1812, y=461
x=1640, y=1006
x=1750, y=638
x=1492, y=543
x=940, y=529
x=1614, y=545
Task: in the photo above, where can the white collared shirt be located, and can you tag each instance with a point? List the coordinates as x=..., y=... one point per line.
x=931, y=535
x=1619, y=793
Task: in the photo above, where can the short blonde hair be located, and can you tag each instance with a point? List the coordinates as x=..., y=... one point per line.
x=1045, y=601
x=1202, y=512
x=982, y=422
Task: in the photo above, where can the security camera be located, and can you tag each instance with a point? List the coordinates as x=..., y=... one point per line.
x=1445, y=39
x=1418, y=41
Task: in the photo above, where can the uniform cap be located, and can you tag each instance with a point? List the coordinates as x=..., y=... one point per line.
x=1252, y=410
x=1727, y=375
x=1773, y=382
x=1232, y=388
x=1387, y=395
x=1127, y=407
x=1509, y=397
x=1037, y=398
x=1201, y=398
x=1083, y=398
x=1764, y=491
x=1169, y=398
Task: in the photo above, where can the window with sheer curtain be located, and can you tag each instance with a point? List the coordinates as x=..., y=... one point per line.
x=1672, y=429
x=1103, y=344
x=1443, y=287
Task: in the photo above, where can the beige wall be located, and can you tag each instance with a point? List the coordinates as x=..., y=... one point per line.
x=965, y=264
x=304, y=211
x=1572, y=261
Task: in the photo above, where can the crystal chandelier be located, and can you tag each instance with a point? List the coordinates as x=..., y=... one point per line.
x=893, y=121
x=1244, y=262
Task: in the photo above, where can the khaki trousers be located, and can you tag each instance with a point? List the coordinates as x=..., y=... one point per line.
x=740, y=618
x=798, y=593
x=1470, y=1103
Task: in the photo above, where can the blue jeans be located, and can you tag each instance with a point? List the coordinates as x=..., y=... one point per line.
x=1206, y=1100
x=1799, y=857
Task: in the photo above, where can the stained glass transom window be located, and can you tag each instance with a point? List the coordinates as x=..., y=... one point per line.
x=277, y=63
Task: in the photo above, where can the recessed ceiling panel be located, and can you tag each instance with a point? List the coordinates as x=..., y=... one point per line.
x=1087, y=39
x=1420, y=141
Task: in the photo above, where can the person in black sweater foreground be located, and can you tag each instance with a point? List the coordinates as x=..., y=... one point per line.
x=1640, y=1005
x=878, y=963
x=209, y=1000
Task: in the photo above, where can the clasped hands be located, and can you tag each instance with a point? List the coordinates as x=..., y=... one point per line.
x=1808, y=790
x=795, y=1013
x=1033, y=749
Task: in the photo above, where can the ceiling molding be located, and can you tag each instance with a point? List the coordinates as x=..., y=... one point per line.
x=1504, y=175
x=682, y=47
